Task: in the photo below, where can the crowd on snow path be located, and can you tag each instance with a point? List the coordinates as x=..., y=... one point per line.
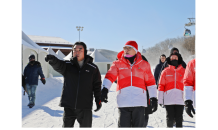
x=138, y=91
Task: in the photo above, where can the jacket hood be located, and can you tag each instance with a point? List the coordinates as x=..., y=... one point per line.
x=179, y=60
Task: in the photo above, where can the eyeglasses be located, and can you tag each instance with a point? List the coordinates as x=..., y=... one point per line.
x=127, y=48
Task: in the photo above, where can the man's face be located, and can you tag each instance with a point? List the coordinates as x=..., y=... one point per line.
x=162, y=58
x=78, y=51
x=129, y=51
x=174, y=57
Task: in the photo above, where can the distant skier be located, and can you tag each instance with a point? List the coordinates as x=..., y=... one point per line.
x=133, y=74
x=31, y=73
x=189, y=87
x=82, y=79
x=171, y=90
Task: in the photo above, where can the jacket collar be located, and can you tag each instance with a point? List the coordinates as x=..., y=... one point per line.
x=161, y=62
x=120, y=56
x=174, y=68
x=87, y=59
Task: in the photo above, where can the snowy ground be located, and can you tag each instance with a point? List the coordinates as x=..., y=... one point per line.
x=47, y=114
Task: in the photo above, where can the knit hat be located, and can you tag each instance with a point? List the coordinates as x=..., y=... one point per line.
x=132, y=44
x=179, y=58
x=31, y=57
x=171, y=51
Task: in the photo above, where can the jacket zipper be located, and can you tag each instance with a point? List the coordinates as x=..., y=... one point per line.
x=175, y=78
x=77, y=90
x=131, y=75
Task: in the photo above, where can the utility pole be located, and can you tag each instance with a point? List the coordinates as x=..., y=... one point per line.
x=78, y=29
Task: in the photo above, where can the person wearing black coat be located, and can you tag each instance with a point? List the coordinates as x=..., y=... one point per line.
x=23, y=84
x=82, y=79
x=158, y=67
x=31, y=74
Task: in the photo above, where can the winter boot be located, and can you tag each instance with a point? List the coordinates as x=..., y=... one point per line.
x=31, y=105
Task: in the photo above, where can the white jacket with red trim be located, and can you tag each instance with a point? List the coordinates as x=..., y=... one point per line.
x=171, y=86
x=131, y=81
x=189, y=81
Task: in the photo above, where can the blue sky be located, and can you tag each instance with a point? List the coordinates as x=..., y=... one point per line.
x=108, y=24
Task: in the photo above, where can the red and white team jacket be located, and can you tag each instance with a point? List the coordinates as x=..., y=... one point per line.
x=171, y=86
x=189, y=81
x=131, y=81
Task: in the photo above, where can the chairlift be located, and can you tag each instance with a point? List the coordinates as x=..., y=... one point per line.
x=187, y=32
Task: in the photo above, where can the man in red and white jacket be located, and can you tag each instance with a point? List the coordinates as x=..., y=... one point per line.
x=133, y=74
x=189, y=87
x=171, y=90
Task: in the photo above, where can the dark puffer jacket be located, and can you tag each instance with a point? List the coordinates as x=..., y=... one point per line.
x=23, y=83
x=32, y=72
x=157, y=70
x=79, y=83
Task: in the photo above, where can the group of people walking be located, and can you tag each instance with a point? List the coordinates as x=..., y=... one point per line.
x=138, y=91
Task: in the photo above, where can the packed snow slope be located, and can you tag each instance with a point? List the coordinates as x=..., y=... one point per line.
x=47, y=114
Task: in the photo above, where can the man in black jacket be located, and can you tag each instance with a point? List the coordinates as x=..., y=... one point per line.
x=81, y=79
x=158, y=67
x=23, y=83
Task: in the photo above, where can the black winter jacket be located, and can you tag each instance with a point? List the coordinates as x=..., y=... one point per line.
x=79, y=83
x=23, y=83
x=32, y=72
x=157, y=70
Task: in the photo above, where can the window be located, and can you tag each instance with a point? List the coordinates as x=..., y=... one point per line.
x=108, y=66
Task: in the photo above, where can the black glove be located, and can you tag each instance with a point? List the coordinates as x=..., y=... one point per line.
x=104, y=92
x=49, y=57
x=153, y=104
x=162, y=105
x=98, y=104
x=189, y=108
x=43, y=80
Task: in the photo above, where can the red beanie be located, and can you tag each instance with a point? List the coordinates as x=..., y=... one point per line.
x=132, y=44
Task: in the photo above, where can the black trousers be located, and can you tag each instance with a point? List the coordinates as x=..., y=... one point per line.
x=146, y=120
x=174, y=112
x=131, y=117
x=84, y=117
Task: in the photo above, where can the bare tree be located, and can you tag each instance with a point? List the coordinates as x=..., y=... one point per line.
x=186, y=48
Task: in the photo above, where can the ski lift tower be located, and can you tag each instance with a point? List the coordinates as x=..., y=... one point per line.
x=192, y=23
x=187, y=32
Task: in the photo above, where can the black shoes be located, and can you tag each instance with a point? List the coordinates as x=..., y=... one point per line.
x=31, y=105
